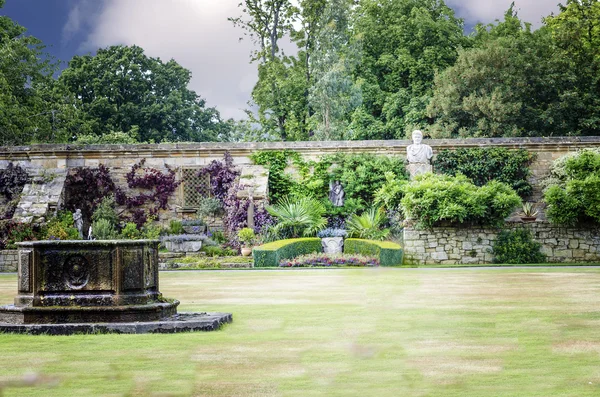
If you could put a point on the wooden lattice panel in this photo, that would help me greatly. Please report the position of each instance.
(195, 187)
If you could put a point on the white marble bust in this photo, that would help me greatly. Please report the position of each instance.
(418, 152)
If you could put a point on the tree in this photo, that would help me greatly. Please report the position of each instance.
(576, 30)
(404, 43)
(333, 95)
(266, 22)
(30, 108)
(513, 82)
(121, 89)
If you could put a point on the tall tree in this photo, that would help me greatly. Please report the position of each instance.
(333, 94)
(266, 22)
(31, 110)
(404, 43)
(576, 30)
(122, 89)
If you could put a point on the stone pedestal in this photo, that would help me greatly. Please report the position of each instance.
(415, 169)
(332, 245)
(87, 286)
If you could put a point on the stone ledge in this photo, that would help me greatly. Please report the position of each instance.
(182, 322)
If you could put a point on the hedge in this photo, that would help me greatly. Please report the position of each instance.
(269, 255)
(388, 253)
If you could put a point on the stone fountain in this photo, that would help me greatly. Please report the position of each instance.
(100, 286)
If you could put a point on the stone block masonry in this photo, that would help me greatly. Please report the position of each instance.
(450, 246)
(9, 260)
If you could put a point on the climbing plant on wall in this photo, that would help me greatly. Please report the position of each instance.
(483, 165)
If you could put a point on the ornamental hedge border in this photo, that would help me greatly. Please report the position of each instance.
(388, 253)
(269, 255)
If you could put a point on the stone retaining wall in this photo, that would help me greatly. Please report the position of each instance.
(446, 245)
(9, 260)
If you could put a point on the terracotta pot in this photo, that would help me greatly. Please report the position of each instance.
(246, 251)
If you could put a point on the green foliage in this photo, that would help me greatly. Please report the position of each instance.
(276, 161)
(482, 165)
(369, 225)
(219, 237)
(209, 207)
(302, 217)
(61, 227)
(391, 192)
(434, 199)
(103, 229)
(175, 227)
(151, 231)
(152, 98)
(362, 175)
(106, 210)
(131, 232)
(404, 43)
(517, 247)
(215, 250)
(110, 138)
(246, 235)
(269, 255)
(328, 260)
(388, 253)
(574, 193)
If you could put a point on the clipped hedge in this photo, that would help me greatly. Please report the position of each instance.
(269, 255)
(388, 253)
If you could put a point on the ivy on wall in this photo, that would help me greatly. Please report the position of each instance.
(483, 165)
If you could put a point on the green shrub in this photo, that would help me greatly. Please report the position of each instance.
(388, 253)
(106, 210)
(517, 247)
(246, 235)
(215, 250)
(302, 217)
(483, 165)
(269, 255)
(175, 227)
(329, 260)
(61, 227)
(369, 225)
(131, 232)
(434, 199)
(102, 229)
(573, 194)
(151, 230)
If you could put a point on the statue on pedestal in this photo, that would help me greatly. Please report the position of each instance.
(418, 155)
(336, 193)
(78, 220)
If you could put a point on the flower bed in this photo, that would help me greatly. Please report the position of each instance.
(324, 260)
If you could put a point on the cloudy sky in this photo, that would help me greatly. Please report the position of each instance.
(195, 33)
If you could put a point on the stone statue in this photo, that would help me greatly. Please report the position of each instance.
(419, 156)
(78, 220)
(90, 235)
(336, 193)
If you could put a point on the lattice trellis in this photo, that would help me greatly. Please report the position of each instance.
(195, 187)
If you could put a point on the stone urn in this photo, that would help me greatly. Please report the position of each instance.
(183, 246)
(246, 251)
(332, 245)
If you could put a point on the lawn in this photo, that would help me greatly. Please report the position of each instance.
(340, 332)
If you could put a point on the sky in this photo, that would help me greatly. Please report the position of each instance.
(196, 33)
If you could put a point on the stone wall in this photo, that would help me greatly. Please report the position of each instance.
(9, 260)
(446, 245)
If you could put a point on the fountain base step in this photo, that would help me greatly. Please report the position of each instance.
(182, 322)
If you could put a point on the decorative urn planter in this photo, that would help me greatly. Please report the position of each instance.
(183, 246)
(246, 251)
(332, 245)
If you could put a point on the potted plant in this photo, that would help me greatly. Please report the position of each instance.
(529, 212)
(246, 237)
(332, 240)
(193, 226)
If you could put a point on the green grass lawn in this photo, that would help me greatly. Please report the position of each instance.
(346, 332)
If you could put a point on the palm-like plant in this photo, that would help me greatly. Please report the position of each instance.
(303, 216)
(368, 225)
